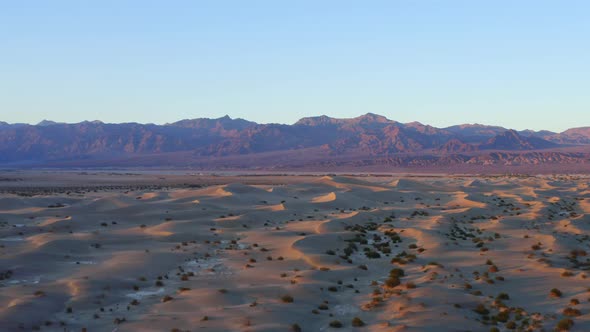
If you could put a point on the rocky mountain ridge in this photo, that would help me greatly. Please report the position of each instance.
(369, 135)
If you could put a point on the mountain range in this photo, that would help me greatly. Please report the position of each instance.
(311, 143)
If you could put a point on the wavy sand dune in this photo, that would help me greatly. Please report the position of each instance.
(276, 207)
(330, 197)
(421, 186)
(412, 254)
(349, 183)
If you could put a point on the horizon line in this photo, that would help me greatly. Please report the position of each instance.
(52, 122)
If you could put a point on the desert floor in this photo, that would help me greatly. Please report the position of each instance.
(174, 252)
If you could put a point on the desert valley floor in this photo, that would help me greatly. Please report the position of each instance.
(296, 253)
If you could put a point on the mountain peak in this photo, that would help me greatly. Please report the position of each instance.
(510, 133)
(372, 117)
(47, 123)
(316, 121)
(207, 123)
(324, 120)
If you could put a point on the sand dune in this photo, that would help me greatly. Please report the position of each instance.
(324, 198)
(402, 254)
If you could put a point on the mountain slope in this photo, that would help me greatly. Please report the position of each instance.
(512, 140)
(367, 136)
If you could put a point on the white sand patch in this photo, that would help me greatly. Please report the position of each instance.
(13, 239)
(143, 294)
(207, 267)
(34, 280)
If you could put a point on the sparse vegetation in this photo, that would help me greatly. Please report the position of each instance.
(357, 322)
(565, 324)
(336, 324)
(555, 292)
(287, 299)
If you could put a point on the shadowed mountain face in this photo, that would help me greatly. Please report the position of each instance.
(366, 136)
(511, 140)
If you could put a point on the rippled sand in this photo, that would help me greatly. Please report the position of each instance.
(475, 253)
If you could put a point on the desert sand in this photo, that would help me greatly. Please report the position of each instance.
(307, 253)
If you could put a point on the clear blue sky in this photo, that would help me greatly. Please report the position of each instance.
(520, 64)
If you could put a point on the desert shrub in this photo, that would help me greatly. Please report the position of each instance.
(555, 292)
(567, 274)
(397, 272)
(392, 282)
(287, 299)
(357, 322)
(481, 309)
(372, 254)
(335, 324)
(119, 320)
(511, 325)
(565, 324)
(503, 316)
(571, 312)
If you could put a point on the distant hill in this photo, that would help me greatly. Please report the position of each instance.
(572, 136)
(362, 140)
